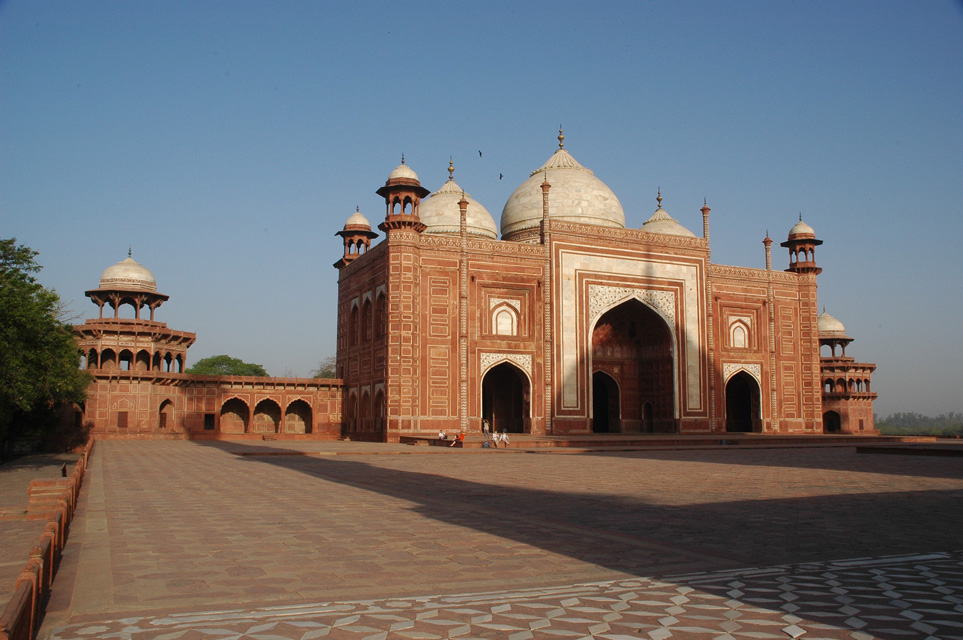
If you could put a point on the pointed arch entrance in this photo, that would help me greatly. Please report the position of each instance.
(632, 344)
(831, 422)
(506, 398)
(742, 404)
(605, 404)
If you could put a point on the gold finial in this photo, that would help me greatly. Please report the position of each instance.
(561, 138)
(658, 198)
(451, 169)
(402, 158)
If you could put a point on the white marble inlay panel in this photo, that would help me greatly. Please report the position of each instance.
(573, 367)
(487, 360)
(729, 369)
(512, 302)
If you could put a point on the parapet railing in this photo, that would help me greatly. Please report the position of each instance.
(56, 501)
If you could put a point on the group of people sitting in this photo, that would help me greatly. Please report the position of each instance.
(494, 438)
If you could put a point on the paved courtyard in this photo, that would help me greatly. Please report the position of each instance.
(245, 540)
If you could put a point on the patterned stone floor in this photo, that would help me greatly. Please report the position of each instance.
(913, 596)
(230, 540)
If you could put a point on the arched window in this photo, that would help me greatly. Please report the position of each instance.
(366, 320)
(126, 360)
(379, 316)
(504, 320)
(739, 335)
(354, 326)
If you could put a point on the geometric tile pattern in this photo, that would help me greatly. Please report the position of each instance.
(895, 597)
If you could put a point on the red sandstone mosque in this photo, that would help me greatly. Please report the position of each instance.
(568, 323)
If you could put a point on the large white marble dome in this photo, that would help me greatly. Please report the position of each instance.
(576, 195)
(128, 275)
(440, 213)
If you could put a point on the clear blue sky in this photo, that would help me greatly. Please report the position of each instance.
(227, 142)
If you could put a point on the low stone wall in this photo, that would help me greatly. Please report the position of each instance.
(54, 500)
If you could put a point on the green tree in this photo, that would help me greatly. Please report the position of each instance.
(225, 366)
(39, 357)
(327, 368)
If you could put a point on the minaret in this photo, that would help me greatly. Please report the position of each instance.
(802, 245)
(402, 193)
(357, 236)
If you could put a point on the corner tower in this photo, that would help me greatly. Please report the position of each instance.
(136, 363)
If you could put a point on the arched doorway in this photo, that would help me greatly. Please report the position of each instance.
(234, 416)
(297, 417)
(165, 415)
(605, 404)
(379, 413)
(267, 417)
(506, 398)
(635, 343)
(832, 422)
(349, 422)
(742, 404)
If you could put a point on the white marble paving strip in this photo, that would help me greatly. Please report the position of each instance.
(910, 596)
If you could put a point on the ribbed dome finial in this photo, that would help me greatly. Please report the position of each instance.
(451, 169)
(561, 138)
(658, 198)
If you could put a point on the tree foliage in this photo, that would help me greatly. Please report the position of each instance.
(946, 424)
(327, 368)
(224, 365)
(39, 357)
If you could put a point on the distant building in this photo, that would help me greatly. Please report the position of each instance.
(140, 389)
(574, 323)
(570, 323)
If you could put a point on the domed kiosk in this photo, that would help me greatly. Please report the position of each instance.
(131, 344)
(847, 394)
(127, 283)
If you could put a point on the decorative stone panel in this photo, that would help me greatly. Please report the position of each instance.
(729, 369)
(487, 360)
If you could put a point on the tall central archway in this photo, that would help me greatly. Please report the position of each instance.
(633, 345)
(506, 399)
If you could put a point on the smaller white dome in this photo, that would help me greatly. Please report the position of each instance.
(128, 275)
(441, 214)
(403, 171)
(357, 220)
(802, 229)
(662, 222)
(830, 327)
